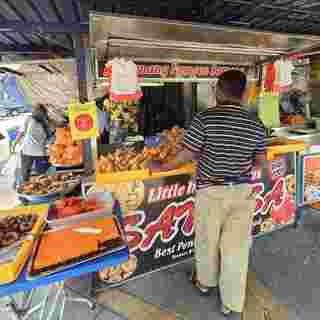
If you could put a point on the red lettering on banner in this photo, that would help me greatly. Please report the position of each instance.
(275, 197)
(133, 230)
(258, 188)
(145, 70)
(204, 71)
(186, 211)
(167, 224)
(216, 72)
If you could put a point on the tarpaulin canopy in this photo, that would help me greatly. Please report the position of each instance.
(52, 83)
(12, 96)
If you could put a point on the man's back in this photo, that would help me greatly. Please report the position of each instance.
(230, 138)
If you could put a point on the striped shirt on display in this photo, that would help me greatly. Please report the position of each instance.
(226, 140)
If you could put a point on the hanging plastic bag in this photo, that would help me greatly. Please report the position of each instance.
(18, 170)
(123, 77)
(9, 169)
(12, 170)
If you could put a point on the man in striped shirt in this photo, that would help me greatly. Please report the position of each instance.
(227, 143)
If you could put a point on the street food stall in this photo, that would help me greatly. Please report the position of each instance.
(158, 65)
(157, 208)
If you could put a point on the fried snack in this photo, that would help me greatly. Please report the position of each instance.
(126, 159)
(13, 228)
(43, 185)
(64, 151)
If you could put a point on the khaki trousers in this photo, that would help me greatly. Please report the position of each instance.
(223, 219)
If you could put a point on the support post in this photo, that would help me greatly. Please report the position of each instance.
(82, 55)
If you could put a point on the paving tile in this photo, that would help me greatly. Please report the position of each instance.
(172, 291)
(133, 307)
(288, 262)
(107, 315)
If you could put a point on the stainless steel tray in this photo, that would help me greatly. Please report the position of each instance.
(49, 196)
(65, 166)
(60, 223)
(72, 265)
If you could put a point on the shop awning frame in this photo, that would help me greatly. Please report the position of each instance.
(145, 39)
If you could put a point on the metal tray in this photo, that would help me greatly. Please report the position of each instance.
(49, 196)
(304, 131)
(71, 265)
(65, 166)
(57, 223)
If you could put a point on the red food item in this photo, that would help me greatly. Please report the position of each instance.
(91, 205)
(74, 205)
(68, 212)
(73, 201)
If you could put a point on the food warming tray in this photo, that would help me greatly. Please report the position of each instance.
(53, 222)
(50, 196)
(113, 246)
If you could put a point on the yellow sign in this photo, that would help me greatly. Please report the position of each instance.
(83, 120)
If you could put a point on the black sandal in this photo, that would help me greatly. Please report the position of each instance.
(204, 291)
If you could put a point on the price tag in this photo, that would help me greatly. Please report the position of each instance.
(83, 120)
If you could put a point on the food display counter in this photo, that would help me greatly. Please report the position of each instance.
(157, 210)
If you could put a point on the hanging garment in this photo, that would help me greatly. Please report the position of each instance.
(284, 71)
(270, 77)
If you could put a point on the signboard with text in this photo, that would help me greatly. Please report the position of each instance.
(164, 71)
(83, 120)
(275, 197)
(158, 221)
(311, 178)
(158, 217)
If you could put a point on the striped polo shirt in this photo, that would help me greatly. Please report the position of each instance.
(225, 140)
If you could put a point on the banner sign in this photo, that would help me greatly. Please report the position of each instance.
(163, 71)
(158, 217)
(83, 120)
(311, 178)
(158, 221)
(275, 196)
